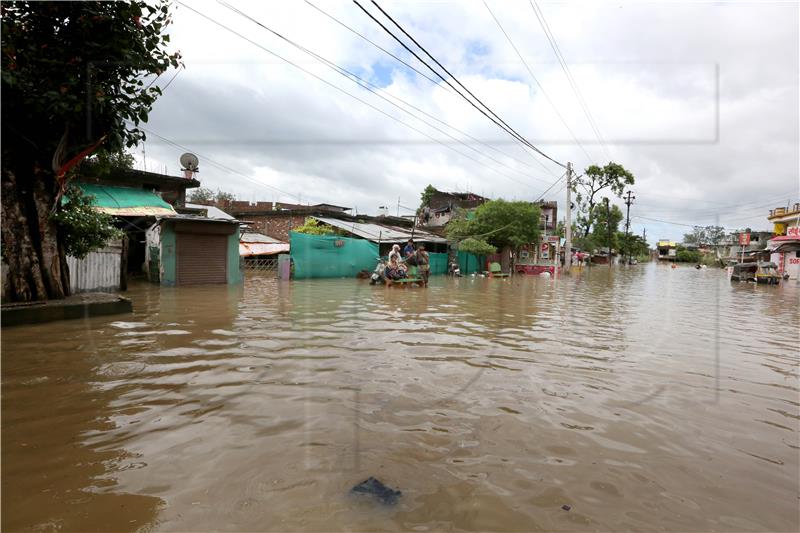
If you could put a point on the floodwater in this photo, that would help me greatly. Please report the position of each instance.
(645, 399)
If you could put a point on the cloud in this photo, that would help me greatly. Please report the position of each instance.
(649, 73)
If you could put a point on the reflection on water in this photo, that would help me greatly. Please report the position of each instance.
(645, 399)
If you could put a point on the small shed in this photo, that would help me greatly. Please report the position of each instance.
(193, 250)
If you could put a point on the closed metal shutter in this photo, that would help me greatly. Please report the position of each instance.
(202, 258)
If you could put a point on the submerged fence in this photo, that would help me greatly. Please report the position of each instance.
(268, 263)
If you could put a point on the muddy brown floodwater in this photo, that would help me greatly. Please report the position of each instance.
(645, 399)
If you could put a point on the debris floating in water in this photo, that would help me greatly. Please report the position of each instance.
(374, 487)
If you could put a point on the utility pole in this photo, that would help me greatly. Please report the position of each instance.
(608, 224)
(628, 201)
(568, 222)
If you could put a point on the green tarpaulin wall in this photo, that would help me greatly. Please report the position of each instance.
(470, 263)
(318, 256)
(438, 263)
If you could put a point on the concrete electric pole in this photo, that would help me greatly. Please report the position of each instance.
(629, 198)
(568, 222)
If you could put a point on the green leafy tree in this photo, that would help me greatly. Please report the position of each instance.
(73, 80)
(225, 197)
(471, 245)
(499, 223)
(632, 245)
(612, 176)
(312, 226)
(84, 228)
(201, 195)
(606, 225)
(427, 195)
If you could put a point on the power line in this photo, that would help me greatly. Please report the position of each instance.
(379, 47)
(367, 85)
(499, 122)
(550, 187)
(418, 72)
(544, 93)
(220, 165)
(565, 67)
(334, 86)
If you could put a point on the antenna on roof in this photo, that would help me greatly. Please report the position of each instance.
(189, 165)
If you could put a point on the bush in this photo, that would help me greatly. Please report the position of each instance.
(688, 256)
(476, 246)
(84, 229)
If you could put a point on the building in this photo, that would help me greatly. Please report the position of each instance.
(275, 219)
(784, 247)
(443, 205)
(544, 255)
(192, 250)
(142, 203)
(667, 250)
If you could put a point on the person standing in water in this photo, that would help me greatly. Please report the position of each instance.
(423, 263)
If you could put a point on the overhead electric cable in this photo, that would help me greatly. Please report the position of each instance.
(499, 122)
(567, 72)
(535, 79)
(371, 87)
(334, 86)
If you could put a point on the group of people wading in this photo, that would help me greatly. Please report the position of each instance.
(399, 262)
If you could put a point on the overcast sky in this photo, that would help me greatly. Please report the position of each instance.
(699, 100)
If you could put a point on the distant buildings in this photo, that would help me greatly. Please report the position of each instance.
(785, 246)
(443, 205)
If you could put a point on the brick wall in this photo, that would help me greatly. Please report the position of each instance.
(275, 226)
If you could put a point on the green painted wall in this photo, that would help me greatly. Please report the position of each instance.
(234, 272)
(169, 271)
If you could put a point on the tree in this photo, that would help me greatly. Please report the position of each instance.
(612, 176)
(606, 225)
(201, 195)
(471, 245)
(499, 223)
(73, 80)
(312, 226)
(225, 197)
(84, 228)
(705, 235)
(427, 195)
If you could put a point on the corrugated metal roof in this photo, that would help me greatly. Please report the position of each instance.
(379, 232)
(211, 211)
(126, 201)
(252, 237)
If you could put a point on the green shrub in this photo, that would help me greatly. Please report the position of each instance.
(688, 256)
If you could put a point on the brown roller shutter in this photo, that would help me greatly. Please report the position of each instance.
(202, 258)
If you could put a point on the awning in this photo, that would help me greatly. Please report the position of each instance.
(126, 201)
(784, 243)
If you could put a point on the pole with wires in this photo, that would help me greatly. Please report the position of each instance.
(628, 201)
(568, 222)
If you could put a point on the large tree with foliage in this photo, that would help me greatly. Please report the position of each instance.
(73, 80)
(612, 176)
(427, 195)
(499, 223)
(705, 235)
(606, 225)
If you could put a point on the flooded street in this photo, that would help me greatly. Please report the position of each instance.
(646, 399)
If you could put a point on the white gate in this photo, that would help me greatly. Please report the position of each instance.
(98, 271)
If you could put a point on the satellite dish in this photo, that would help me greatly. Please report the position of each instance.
(189, 162)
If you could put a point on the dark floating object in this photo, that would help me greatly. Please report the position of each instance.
(374, 487)
(566, 507)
